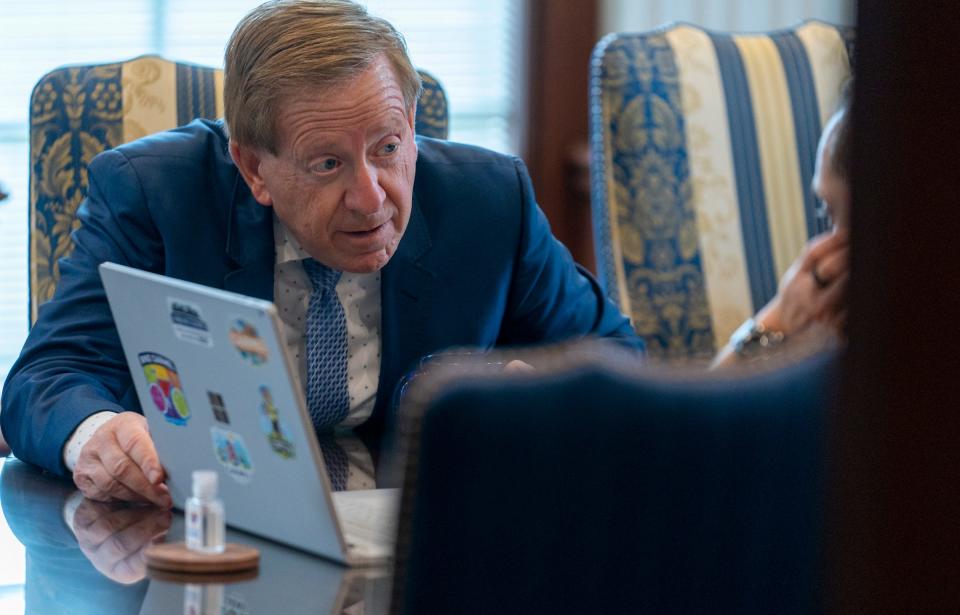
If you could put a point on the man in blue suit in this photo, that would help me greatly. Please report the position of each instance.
(310, 201)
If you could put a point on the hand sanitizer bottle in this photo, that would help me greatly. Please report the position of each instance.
(204, 512)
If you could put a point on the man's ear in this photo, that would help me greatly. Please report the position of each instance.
(248, 161)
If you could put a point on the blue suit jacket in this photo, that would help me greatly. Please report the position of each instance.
(477, 266)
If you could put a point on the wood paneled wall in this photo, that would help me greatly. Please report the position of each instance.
(562, 36)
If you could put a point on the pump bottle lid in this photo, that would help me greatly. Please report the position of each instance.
(204, 484)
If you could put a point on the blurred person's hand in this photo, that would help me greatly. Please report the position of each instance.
(120, 463)
(813, 289)
(113, 536)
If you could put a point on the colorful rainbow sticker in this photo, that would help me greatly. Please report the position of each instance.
(166, 392)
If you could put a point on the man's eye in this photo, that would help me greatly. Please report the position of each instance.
(329, 164)
(389, 148)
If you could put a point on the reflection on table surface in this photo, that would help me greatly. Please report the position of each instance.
(87, 557)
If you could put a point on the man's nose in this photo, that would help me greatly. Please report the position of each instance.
(365, 195)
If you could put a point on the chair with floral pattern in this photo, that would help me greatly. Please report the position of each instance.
(76, 112)
(702, 153)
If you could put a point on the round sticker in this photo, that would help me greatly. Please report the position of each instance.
(248, 343)
(166, 392)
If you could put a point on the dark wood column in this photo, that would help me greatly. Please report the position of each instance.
(894, 522)
(562, 35)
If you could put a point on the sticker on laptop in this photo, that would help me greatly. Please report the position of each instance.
(166, 392)
(278, 434)
(219, 408)
(248, 343)
(232, 453)
(188, 322)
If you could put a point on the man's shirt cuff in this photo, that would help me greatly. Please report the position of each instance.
(82, 434)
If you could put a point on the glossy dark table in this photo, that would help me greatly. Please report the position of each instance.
(61, 553)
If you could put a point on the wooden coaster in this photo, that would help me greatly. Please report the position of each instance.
(176, 557)
(203, 578)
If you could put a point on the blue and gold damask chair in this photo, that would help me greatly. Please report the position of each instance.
(79, 111)
(702, 152)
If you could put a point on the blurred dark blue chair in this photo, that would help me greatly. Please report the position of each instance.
(596, 486)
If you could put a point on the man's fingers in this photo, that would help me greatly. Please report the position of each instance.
(96, 522)
(127, 541)
(145, 527)
(130, 570)
(114, 540)
(107, 474)
(120, 462)
(95, 482)
(92, 479)
(130, 481)
(134, 440)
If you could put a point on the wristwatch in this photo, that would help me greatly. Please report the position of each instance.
(752, 339)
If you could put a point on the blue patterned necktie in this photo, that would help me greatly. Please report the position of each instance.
(327, 396)
(336, 461)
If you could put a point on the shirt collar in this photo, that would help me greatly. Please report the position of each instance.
(287, 247)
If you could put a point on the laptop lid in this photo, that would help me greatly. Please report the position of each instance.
(216, 387)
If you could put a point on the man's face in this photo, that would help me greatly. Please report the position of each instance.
(342, 178)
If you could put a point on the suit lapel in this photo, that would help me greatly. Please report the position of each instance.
(406, 288)
(250, 249)
(406, 285)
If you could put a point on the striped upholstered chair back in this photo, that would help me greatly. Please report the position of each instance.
(702, 153)
(77, 112)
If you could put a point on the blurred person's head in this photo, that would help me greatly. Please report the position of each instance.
(831, 177)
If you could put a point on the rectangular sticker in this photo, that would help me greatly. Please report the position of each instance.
(188, 323)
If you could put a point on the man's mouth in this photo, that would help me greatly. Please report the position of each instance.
(366, 233)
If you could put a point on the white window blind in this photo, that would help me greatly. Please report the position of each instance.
(474, 47)
(729, 15)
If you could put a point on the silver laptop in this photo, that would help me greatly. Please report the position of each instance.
(218, 391)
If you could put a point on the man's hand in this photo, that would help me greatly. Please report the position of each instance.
(114, 536)
(120, 463)
(813, 289)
